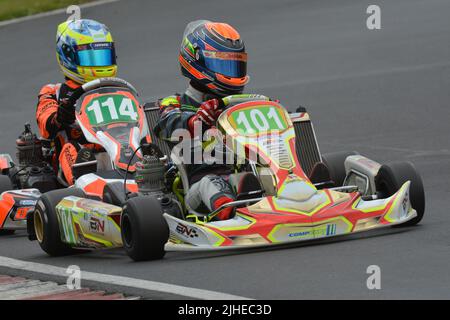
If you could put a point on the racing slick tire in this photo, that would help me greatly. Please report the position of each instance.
(144, 229)
(5, 185)
(392, 176)
(335, 164)
(46, 224)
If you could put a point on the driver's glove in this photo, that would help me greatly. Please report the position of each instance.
(67, 99)
(207, 113)
(66, 112)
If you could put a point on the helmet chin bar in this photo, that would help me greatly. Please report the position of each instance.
(221, 93)
(197, 85)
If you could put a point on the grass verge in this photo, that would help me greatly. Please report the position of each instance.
(10, 9)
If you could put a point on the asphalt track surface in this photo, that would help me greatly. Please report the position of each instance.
(384, 93)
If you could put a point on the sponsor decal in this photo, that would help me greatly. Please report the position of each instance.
(299, 234)
(21, 213)
(97, 225)
(69, 157)
(27, 202)
(331, 229)
(85, 155)
(405, 202)
(186, 231)
(325, 230)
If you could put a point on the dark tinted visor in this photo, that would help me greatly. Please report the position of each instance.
(230, 64)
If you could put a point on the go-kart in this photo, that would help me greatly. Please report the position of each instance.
(22, 184)
(339, 194)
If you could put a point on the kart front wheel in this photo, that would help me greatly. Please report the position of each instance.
(5, 185)
(335, 164)
(392, 176)
(46, 225)
(144, 229)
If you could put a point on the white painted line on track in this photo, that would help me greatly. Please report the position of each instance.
(53, 12)
(120, 280)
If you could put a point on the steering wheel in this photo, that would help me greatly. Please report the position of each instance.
(232, 100)
(100, 83)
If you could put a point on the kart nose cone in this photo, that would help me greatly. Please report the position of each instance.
(296, 190)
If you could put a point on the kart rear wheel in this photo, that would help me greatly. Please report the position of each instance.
(392, 176)
(144, 229)
(335, 164)
(46, 226)
(5, 185)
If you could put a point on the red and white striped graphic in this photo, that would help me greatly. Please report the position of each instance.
(18, 288)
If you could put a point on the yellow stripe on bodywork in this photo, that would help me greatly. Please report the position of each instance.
(369, 210)
(237, 228)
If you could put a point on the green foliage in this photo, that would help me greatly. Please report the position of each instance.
(10, 9)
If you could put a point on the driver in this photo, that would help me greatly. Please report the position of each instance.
(85, 51)
(213, 57)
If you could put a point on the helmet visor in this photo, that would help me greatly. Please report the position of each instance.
(231, 64)
(100, 54)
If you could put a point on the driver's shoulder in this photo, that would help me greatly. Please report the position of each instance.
(169, 101)
(49, 89)
(54, 88)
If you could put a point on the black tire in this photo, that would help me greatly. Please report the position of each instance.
(392, 176)
(46, 224)
(335, 164)
(7, 232)
(5, 185)
(144, 229)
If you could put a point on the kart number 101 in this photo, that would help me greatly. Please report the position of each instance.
(259, 120)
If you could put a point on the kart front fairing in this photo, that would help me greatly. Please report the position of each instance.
(113, 118)
(298, 211)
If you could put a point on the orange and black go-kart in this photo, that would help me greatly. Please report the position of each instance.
(22, 184)
(139, 202)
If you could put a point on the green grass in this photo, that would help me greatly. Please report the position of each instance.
(10, 9)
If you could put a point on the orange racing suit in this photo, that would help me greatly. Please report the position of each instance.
(68, 140)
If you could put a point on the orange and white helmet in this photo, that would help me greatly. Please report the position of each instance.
(213, 55)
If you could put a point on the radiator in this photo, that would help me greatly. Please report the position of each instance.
(306, 145)
(152, 114)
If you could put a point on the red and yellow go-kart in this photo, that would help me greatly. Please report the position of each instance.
(299, 194)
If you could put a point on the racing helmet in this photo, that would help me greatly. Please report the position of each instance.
(213, 55)
(85, 50)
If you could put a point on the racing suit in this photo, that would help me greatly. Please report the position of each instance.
(56, 125)
(209, 185)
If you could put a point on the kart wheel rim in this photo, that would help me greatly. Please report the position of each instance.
(38, 226)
